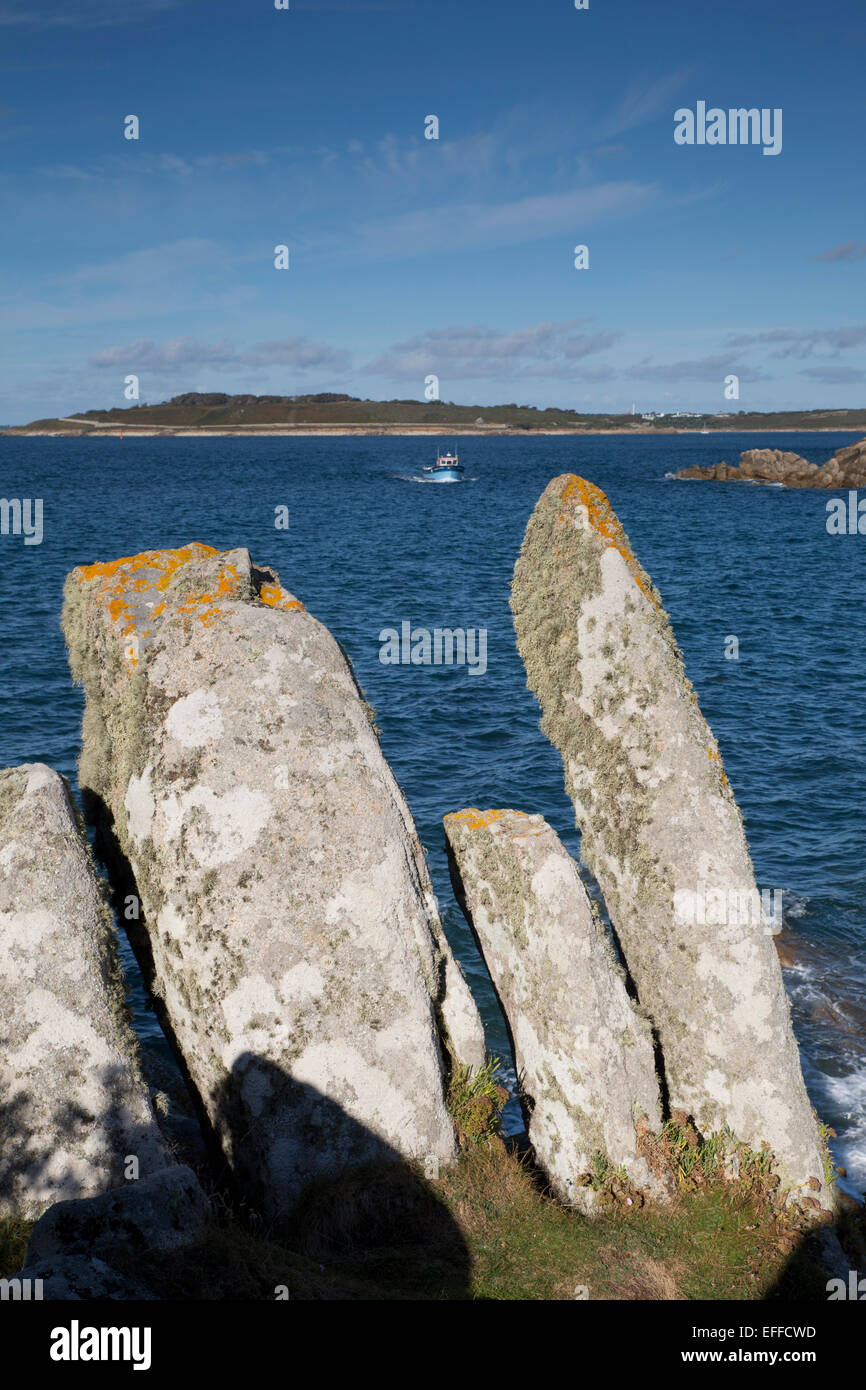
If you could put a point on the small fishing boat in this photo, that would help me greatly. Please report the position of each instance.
(446, 469)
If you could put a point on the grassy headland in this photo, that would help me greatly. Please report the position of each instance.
(216, 413)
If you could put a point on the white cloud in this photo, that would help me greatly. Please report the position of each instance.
(792, 342)
(712, 368)
(846, 251)
(178, 354)
(460, 226)
(79, 14)
(546, 350)
(645, 100)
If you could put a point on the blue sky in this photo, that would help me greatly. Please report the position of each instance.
(412, 257)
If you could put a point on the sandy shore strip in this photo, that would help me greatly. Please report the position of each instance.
(110, 429)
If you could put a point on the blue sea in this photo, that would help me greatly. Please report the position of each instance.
(371, 545)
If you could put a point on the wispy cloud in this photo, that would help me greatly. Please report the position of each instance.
(645, 100)
(453, 227)
(845, 251)
(835, 376)
(116, 166)
(80, 14)
(157, 280)
(712, 368)
(547, 349)
(791, 342)
(178, 354)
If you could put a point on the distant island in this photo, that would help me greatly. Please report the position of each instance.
(215, 413)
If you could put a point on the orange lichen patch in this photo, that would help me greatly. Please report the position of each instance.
(205, 607)
(474, 819)
(716, 757)
(606, 524)
(134, 574)
(125, 576)
(275, 596)
(169, 561)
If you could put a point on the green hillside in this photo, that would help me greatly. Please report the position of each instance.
(220, 412)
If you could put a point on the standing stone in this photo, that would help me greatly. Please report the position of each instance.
(291, 930)
(73, 1106)
(660, 828)
(584, 1054)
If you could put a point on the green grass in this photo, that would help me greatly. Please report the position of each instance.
(14, 1235)
(487, 1229)
(475, 1101)
(719, 1241)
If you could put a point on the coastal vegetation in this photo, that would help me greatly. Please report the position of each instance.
(488, 1228)
(217, 412)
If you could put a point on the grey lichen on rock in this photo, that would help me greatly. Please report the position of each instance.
(78, 1278)
(583, 1052)
(73, 1106)
(294, 938)
(660, 827)
(164, 1211)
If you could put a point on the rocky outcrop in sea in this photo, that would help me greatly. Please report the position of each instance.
(846, 469)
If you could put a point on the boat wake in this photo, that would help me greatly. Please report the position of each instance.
(414, 478)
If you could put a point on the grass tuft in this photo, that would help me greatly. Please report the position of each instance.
(475, 1100)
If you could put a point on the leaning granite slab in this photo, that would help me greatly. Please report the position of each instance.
(73, 1105)
(847, 468)
(583, 1052)
(661, 831)
(290, 929)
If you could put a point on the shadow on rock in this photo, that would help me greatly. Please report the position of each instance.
(359, 1207)
(329, 1189)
